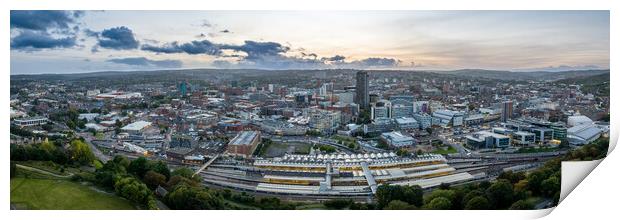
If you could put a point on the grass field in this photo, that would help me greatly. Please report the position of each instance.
(449, 150)
(57, 194)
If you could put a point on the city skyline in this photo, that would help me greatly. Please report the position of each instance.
(74, 42)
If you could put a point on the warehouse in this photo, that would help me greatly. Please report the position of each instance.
(244, 144)
(137, 127)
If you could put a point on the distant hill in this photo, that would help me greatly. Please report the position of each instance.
(597, 84)
(537, 75)
(464, 73)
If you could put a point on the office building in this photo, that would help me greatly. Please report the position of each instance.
(381, 109)
(424, 120)
(406, 123)
(486, 139)
(543, 135)
(523, 138)
(361, 90)
(506, 111)
(446, 117)
(324, 121)
(397, 139)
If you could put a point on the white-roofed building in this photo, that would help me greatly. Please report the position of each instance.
(583, 134)
(578, 120)
(397, 139)
(136, 127)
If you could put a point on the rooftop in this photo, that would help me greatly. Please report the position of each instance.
(244, 138)
(137, 126)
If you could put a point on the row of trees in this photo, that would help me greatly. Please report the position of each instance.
(70, 117)
(77, 153)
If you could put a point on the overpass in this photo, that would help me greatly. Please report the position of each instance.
(369, 178)
(205, 165)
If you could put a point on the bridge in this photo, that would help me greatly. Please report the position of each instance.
(205, 165)
(369, 178)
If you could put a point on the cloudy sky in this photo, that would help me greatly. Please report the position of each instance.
(86, 41)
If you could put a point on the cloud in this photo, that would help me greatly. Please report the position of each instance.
(43, 20)
(336, 58)
(118, 38)
(266, 55)
(91, 33)
(44, 29)
(206, 23)
(144, 62)
(376, 62)
(34, 40)
(193, 47)
(257, 50)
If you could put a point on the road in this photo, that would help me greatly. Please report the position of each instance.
(100, 155)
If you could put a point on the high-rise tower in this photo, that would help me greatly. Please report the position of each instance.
(361, 90)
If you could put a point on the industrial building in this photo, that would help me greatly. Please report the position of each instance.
(136, 128)
(244, 144)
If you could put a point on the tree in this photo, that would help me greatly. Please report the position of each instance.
(132, 189)
(534, 180)
(154, 179)
(409, 194)
(511, 176)
(138, 167)
(338, 203)
(105, 178)
(439, 203)
(81, 153)
(478, 203)
(448, 194)
(121, 160)
(13, 169)
(471, 194)
(186, 173)
(399, 205)
(501, 194)
(161, 168)
(178, 180)
(521, 205)
(550, 186)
